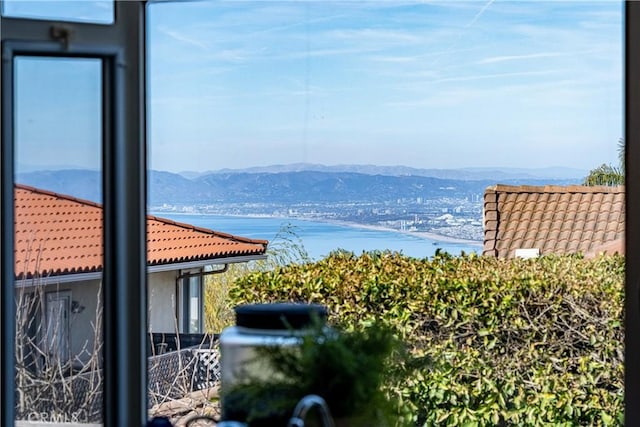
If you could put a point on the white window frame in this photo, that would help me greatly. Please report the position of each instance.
(185, 302)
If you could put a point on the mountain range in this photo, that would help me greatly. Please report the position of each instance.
(465, 174)
(288, 184)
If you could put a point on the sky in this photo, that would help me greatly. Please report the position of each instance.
(427, 84)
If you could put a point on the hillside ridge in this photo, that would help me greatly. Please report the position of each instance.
(278, 187)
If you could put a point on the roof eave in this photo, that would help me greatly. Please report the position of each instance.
(202, 263)
(96, 275)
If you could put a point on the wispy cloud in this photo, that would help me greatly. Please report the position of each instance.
(495, 76)
(537, 55)
(316, 53)
(479, 14)
(375, 35)
(301, 23)
(505, 69)
(176, 35)
(566, 92)
(393, 59)
(495, 59)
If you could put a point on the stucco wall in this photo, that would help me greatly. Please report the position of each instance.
(83, 325)
(161, 295)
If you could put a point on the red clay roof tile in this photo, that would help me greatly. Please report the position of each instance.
(553, 219)
(57, 234)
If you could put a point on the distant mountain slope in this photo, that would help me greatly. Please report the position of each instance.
(167, 187)
(465, 174)
(81, 183)
(276, 188)
(330, 187)
(164, 187)
(552, 172)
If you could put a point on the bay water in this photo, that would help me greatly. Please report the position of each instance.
(320, 238)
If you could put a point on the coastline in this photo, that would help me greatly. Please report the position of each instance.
(440, 238)
(420, 234)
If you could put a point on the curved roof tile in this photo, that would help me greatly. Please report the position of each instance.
(563, 220)
(57, 234)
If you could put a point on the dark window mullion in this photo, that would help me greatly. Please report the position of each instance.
(125, 402)
(632, 153)
(185, 295)
(7, 292)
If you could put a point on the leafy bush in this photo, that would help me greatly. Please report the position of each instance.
(512, 342)
(285, 248)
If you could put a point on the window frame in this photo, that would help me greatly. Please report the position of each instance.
(125, 196)
(184, 301)
(121, 46)
(632, 201)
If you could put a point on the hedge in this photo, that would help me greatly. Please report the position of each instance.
(510, 342)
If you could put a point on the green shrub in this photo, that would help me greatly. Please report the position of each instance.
(512, 342)
(285, 248)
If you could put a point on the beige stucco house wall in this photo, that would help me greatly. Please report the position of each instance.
(162, 300)
(83, 324)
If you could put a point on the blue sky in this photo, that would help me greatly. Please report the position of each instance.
(427, 84)
(424, 84)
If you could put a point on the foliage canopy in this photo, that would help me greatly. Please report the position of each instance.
(606, 174)
(511, 342)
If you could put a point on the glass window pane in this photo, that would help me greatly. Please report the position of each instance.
(58, 239)
(377, 125)
(423, 89)
(58, 119)
(194, 304)
(97, 11)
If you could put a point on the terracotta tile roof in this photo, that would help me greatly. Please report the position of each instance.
(58, 235)
(553, 219)
(610, 248)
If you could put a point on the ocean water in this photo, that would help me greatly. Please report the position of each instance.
(320, 238)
